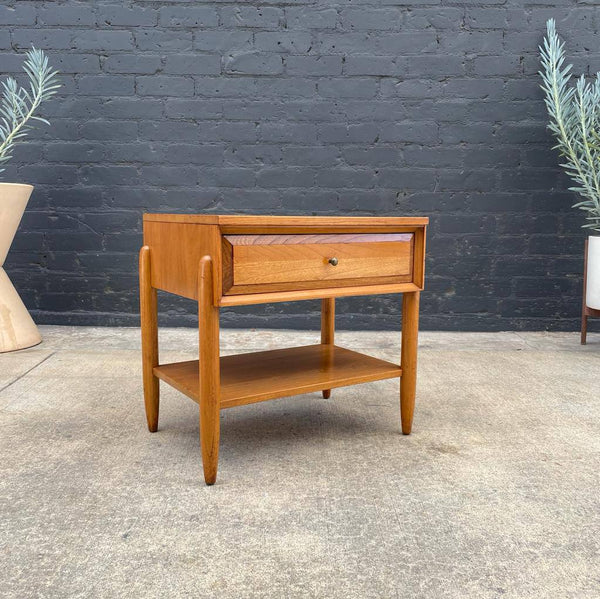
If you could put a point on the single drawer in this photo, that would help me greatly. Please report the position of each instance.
(262, 263)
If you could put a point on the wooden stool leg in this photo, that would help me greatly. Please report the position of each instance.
(408, 360)
(210, 377)
(149, 326)
(327, 328)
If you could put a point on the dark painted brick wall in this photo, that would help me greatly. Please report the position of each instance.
(385, 107)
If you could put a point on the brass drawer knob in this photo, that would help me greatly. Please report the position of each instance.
(333, 261)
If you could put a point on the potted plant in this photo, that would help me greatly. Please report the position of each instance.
(575, 121)
(18, 107)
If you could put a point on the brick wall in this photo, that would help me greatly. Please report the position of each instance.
(385, 107)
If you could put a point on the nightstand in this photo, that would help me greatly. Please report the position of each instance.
(240, 260)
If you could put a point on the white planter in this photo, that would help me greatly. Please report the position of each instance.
(592, 286)
(17, 329)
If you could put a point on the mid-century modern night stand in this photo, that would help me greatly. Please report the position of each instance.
(241, 260)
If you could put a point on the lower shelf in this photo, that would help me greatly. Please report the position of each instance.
(248, 378)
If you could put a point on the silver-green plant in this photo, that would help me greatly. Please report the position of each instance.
(575, 121)
(19, 104)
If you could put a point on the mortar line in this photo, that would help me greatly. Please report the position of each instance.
(27, 372)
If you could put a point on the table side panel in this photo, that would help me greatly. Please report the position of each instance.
(176, 249)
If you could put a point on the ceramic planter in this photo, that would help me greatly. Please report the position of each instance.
(17, 329)
(592, 294)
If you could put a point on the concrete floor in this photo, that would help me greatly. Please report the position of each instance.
(495, 494)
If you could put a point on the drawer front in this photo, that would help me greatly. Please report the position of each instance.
(285, 262)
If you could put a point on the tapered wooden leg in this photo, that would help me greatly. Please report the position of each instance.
(584, 320)
(327, 328)
(408, 360)
(210, 377)
(149, 326)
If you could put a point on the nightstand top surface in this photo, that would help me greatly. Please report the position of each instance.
(267, 220)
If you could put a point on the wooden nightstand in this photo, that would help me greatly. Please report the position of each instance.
(241, 260)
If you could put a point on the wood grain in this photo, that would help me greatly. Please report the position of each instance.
(408, 359)
(208, 378)
(296, 290)
(149, 330)
(264, 264)
(248, 299)
(243, 220)
(271, 263)
(259, 376)
(312, 239)
(176, 252)
(227, 263)
(327, 328)
(418, 270)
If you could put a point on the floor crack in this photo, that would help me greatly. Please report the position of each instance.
(27, 372)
